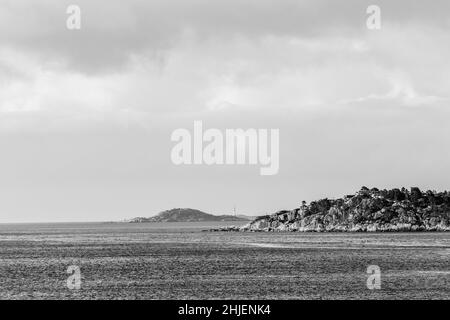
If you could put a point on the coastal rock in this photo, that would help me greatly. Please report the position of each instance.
(369, 210)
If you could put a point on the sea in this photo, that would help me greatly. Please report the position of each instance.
(185, 261)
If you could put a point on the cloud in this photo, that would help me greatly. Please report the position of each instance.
(112, 32)
(274, 73)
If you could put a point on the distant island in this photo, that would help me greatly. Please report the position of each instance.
(188, 215)
(369, 210)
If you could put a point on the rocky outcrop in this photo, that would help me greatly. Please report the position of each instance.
(369, 210)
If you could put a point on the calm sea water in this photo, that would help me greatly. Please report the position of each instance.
(180, 261)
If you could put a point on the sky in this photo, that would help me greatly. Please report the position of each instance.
(86, 115)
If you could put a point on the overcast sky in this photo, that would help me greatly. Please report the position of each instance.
(86, 115)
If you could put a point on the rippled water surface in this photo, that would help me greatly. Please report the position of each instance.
(180, 261)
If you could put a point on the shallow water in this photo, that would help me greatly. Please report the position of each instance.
(179, 261)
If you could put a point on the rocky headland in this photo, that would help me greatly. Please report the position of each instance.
(369, 210)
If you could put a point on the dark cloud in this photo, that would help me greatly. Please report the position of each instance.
(113, 30)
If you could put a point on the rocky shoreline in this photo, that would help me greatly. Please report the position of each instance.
(369, 210)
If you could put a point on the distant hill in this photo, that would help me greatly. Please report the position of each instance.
(245, 217)
(369, 210)
(187, 215)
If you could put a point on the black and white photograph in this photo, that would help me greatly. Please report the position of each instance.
(225, 150)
